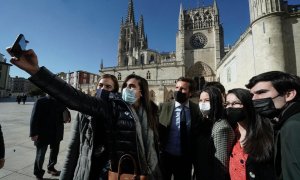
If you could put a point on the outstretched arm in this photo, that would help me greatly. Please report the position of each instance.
(58, 88)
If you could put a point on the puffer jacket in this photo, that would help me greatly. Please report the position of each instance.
(122, 136)
(83, 154)
(116, 124)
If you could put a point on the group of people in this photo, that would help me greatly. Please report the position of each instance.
(22, 98)
(243, 134)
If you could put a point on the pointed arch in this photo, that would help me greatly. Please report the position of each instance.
(142, 59)
(152, 59)
(201, 69)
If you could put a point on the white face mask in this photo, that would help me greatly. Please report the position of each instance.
(204, 108)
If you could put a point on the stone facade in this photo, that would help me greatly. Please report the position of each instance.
(4, 77)
(199, 47)
(269, 43)
(84, 81)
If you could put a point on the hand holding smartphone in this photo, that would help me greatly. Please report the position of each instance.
(18, 46)
(29, 61)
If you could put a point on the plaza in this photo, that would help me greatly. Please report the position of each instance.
(19, 149)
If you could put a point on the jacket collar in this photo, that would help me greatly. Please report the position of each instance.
(186, 104)
(290, 110)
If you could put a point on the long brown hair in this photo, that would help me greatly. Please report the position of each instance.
(259, 133)
(145, 100)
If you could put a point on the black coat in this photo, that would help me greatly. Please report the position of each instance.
(259, 170)
(47, 121)
(2, 147)
(287, 143)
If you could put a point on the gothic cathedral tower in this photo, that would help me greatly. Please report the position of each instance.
(267, 32)
(132, 39)
(200, 37)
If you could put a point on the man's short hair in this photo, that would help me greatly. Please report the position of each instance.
(281, 81)
(114, 79)
(190, 81)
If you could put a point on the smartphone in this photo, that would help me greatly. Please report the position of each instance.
(19, 46)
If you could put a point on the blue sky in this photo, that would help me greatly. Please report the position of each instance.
(71, 35)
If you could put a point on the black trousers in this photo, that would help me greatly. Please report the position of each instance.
(40, 157)
(178, 166)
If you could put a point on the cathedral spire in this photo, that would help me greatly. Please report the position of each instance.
(141, 27)
(141, 34)
(130, 15)
(216, 12)
(181, 19)
(101, 65)
(216, 7)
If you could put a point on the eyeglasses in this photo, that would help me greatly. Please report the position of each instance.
(235, 104)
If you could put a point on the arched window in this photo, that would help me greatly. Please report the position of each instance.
(142, 59)
(152, 60)
(119, 76)
(126, 61)
(148, 75)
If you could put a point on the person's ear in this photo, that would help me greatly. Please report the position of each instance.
(190, 95)
(290, 95)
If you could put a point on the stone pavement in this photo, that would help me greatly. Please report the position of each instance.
(19, 149)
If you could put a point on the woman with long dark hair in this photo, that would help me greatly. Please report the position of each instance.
(251, 156)
(144, 106)
(217, 137)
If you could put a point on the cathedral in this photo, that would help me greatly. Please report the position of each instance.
(270, 43)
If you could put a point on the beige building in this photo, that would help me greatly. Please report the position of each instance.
(4, 77)
(270, 43)
(82, 80)
(20, 86)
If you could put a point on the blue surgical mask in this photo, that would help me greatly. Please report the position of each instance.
(128, 95)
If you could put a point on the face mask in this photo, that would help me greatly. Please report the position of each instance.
(266, 108)
(102, 93)
(235, 115)
(128, 95)
(180, 97)
(204, 108)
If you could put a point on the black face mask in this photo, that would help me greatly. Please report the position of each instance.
(102, 94)
(180, 97)
(266, 108)
(235, 115)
